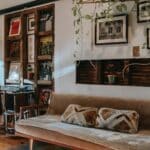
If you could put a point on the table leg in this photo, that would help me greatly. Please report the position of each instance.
(31, 144)
(14, 102)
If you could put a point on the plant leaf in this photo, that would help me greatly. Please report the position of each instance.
(77, 31)
(88, 17)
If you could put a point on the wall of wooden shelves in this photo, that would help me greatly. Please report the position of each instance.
(134, 72)
(34, 26)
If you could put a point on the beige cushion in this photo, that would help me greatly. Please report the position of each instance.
(119, 120)
(83, 116)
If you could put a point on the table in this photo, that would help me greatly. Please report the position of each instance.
(13, 113)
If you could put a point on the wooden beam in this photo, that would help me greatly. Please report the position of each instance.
(25, 5)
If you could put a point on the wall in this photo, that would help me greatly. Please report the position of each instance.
(65, 62)
(65, 46)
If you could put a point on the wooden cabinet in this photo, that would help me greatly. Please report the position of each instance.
(29, 43)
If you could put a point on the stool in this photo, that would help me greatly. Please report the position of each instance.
(9, 121)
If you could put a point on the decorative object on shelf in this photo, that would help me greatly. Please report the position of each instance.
(45, 95)
(111, 31)
(31, 48)
(112, 78)
(46, 46)
(15, 26)
(45, 70)
(14, 49)
(45, 21)
(30, 71)
(148, 38)
(111, 71)
(14, 71)
(143, 11)
(30, 24)
(136, 51)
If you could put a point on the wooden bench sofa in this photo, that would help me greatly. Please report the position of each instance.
(49, 128)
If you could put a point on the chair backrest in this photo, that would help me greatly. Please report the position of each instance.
(59, 102)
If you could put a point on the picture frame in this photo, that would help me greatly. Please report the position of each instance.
(30, 24)
(31, 48)
(111, 31)
(45, 95)
(143, 11)
(14, 49)
(148, 38)
(15, 26)
(14, 71)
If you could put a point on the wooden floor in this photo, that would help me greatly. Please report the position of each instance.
(12, 142)
(9, 142)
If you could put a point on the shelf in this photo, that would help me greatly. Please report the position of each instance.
(12, 59)
(45, 33)
(14, 38)
(136, 73)
(33, 46)
(44, 82)
(45, 57)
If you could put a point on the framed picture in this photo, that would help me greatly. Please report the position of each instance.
(143, 11)
(148, 38)
(30, 24)
(15, 26)
(45, 95)
(14, 49)
(111, 31)
(14, 71)
(31, 47)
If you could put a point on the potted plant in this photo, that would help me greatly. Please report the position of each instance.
(111, 73)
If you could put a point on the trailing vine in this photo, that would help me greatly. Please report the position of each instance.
(107, 12)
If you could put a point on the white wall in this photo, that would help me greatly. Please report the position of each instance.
(64, 50)
(65, 46)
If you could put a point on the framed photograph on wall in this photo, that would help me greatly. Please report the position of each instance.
(143, 11)
(30, 24)
(111, 31)
(15, 26)
(148, 38)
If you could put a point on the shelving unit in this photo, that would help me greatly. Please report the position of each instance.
(13, 42)
(45, 51)
(114, 72)
(32, 48)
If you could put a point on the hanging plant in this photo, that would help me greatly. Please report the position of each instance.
(107, 12)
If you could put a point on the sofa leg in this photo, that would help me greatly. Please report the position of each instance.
(31, 144)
